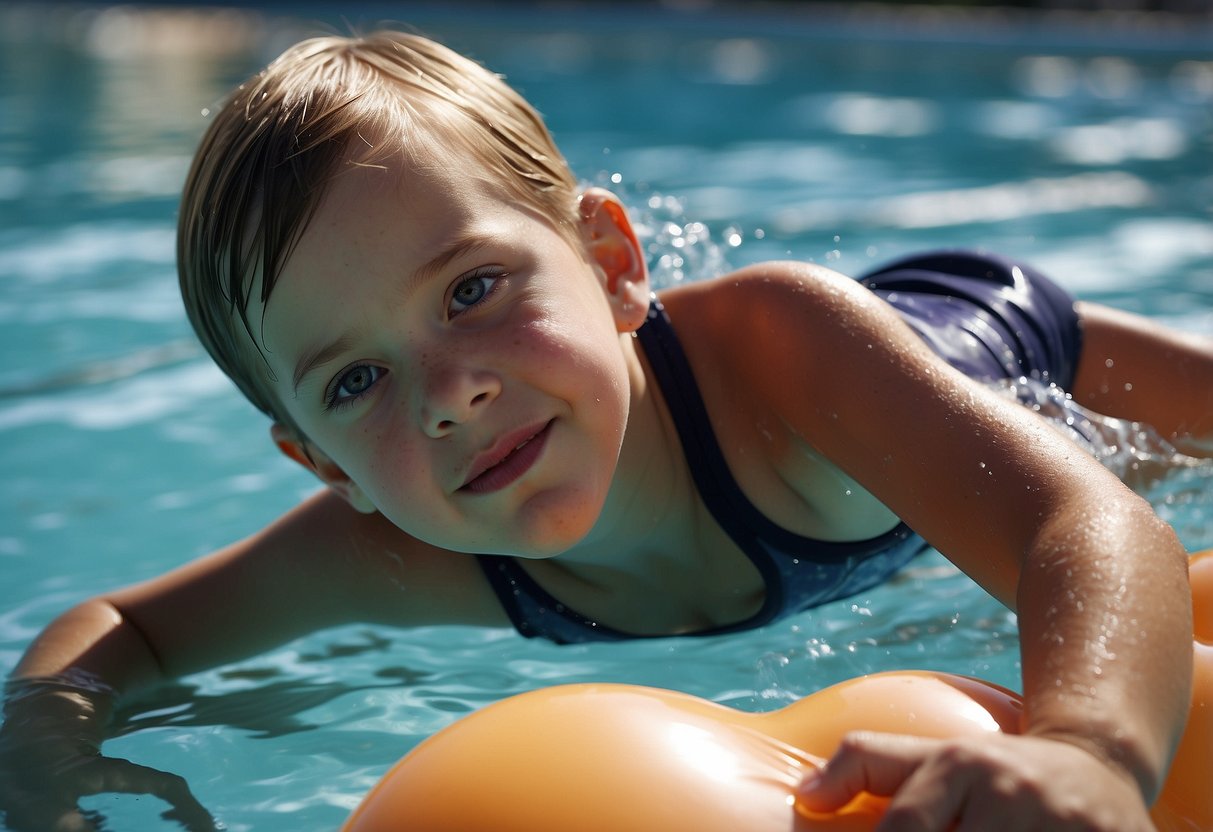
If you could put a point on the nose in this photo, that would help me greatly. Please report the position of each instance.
(453, 395)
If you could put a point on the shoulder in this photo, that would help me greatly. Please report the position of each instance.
(320, 564)
(781, 316)
(759, 299)
(767, 288)
(840, 372)
(374, 571)
(766, 348)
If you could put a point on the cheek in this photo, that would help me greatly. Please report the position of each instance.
(392, 465)
(592, 369)
(384, 462)
(579, 335)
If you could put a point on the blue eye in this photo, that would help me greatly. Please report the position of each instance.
(472, 289)
(352, 384)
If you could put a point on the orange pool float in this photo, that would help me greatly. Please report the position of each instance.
(605, 758)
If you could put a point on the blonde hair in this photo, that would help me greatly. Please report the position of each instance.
(265, 161)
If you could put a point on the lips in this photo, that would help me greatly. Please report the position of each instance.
(508, 459)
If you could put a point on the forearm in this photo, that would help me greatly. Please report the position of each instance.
(74, 668)
(1105, 629)
(95, 639)
(56, 713)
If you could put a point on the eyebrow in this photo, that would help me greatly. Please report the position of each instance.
(460, 245)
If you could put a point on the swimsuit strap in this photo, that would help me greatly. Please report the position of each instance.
(755, 533)
(524, 600)
(536, 612)
(729, 507)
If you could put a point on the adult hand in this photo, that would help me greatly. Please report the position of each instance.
(1002, 781)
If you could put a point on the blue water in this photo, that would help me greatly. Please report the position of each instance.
(810, 134)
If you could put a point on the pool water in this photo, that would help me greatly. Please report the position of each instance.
(1081, 148)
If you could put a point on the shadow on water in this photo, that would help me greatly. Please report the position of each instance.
(272, 708)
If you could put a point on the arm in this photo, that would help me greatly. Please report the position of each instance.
(1098, 580)
(56, 710)
(319, 566)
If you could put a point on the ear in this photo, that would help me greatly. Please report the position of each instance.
(327, 471)
(613, 248)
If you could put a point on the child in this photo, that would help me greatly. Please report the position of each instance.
(381, 246)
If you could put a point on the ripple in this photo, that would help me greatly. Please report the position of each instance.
(857, 114)
(83, 249)
(140, 400)
(994, 203)
(1120, 140)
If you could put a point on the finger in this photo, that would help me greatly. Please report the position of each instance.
(980, 815)
(111, 774)
(114, 774)
(933, 797)
(194, 818)
(864, 762)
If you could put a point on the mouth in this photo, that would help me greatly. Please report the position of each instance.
(508, 459)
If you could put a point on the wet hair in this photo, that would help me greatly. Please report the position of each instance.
(326, 104)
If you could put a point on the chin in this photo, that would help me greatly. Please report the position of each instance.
(543, 524)
(544, 544)
(546, 531)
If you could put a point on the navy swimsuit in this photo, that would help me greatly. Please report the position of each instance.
(989, 317)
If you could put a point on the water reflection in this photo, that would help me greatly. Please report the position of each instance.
(101, 105)
(832, 139)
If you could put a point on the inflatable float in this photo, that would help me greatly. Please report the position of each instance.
(606, 758)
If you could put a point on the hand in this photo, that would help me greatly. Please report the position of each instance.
(42, 801)
(1002, 781)
(46, 767)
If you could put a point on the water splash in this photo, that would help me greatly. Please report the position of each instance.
(1179, 486)
(677, 248)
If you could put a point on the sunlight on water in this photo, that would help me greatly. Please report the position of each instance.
(841, 141)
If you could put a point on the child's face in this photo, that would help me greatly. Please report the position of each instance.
(454, 362)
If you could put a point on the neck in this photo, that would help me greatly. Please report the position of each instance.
(649, 511)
